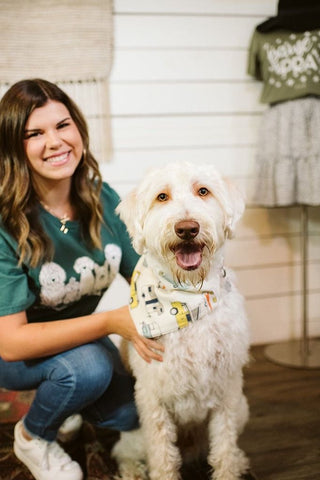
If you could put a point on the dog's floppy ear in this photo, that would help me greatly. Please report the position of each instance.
(233, 204)
(232, 201)
(131, 215)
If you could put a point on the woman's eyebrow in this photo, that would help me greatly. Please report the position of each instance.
(38, 129)
(61, 121)
(29, 130)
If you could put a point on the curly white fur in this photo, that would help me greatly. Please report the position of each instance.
(193, 401)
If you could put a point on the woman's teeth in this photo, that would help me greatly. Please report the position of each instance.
(57, 158)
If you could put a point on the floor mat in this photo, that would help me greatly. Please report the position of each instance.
(14, 405)
(91, 449)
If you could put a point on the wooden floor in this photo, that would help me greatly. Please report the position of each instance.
(282, 438)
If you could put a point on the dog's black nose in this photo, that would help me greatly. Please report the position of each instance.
(187, 229)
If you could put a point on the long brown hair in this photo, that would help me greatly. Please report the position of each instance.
(19, 203)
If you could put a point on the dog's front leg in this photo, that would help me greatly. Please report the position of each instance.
(160, 433)
(129, 452)
(225, 457)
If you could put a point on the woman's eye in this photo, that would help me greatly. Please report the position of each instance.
(28, 135)
(203, 191)
(162, 197)
(62, 125)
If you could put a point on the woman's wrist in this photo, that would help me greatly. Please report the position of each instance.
(115, 321)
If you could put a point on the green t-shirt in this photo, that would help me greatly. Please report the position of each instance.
(73, 282)
(288, 63)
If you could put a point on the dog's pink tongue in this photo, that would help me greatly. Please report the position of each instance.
(188, 260)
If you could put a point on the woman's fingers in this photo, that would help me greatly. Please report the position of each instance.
(148, 349)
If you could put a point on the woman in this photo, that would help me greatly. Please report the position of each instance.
(61, 245)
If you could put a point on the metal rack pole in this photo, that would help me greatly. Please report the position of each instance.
(303, 353)
(304, 257)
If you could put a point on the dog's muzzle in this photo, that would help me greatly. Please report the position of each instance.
(188, 252)
(187, 229)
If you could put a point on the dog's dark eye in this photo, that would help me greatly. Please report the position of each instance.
(203, 191)
(162, 197)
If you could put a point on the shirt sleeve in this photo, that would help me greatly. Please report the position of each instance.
(15, 294)
(254, 67)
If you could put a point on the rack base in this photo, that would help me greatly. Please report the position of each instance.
(295, 354)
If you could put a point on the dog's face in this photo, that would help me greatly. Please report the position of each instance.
(182, 214)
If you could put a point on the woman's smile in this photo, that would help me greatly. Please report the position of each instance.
(59, 159)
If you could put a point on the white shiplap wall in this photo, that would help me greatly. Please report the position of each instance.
(179, 90)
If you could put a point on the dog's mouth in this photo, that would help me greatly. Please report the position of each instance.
(188, 255)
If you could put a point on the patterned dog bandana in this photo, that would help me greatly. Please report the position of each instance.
(159, 305)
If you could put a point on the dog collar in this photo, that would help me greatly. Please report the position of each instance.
(159, 305)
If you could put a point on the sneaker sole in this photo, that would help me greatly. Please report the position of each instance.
(38, 475)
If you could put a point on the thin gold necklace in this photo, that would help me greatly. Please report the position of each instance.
(63, 220)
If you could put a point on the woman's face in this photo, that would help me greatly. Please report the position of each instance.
(52, 143)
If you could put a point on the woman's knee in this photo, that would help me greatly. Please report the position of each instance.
(88, 368)
(127, 418)
(122, 419)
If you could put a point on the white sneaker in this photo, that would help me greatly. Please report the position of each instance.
(45, 460)
(70, 428)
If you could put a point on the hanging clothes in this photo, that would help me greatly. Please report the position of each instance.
(288, 64)
(288, 156)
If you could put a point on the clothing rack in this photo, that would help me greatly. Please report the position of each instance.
(303, 353)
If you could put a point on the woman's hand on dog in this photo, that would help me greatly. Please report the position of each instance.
(148, 349)
(124, 326)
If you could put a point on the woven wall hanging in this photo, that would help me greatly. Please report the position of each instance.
(69, 42)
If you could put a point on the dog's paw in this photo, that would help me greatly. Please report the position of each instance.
(129, 453)
(132, 470)
(232, 470)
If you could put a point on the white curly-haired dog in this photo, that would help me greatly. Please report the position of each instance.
(179, 218)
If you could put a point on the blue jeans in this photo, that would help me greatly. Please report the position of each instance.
(89, 379)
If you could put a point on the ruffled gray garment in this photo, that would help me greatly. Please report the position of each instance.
(288, 156)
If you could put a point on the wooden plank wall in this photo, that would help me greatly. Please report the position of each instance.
(179, 90)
